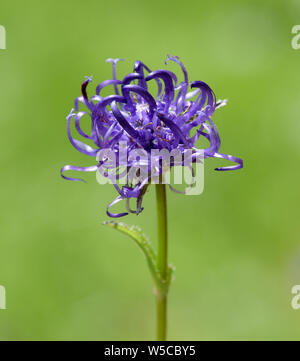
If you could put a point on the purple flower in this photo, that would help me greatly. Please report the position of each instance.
(145, 122)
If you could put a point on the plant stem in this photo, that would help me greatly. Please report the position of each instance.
(162, 262)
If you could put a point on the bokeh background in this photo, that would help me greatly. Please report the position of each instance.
(236, 247)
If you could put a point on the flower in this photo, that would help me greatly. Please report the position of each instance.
(133, 115)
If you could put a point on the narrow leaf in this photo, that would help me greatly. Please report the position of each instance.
(142, 241)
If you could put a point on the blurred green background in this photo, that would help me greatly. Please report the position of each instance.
(236, 247)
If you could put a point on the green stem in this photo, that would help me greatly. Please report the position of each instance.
(162, 262)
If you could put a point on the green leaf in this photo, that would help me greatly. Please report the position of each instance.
(141, 240)
(143, 243)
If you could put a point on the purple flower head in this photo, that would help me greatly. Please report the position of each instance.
(132, 115)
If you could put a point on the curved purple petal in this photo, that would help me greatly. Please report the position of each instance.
(130, 77)
(176, 60)
(207, 93)
(84, 92)
(77, 118)
(140, 65)
(114, 65)
(167, 78)
(237, 160)
(144, 94)
(81, 147)
(139, 68)
(175, 129)
(123, 122)
(100, 107)
(115, 215)
(78, 169)
(106, 83)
